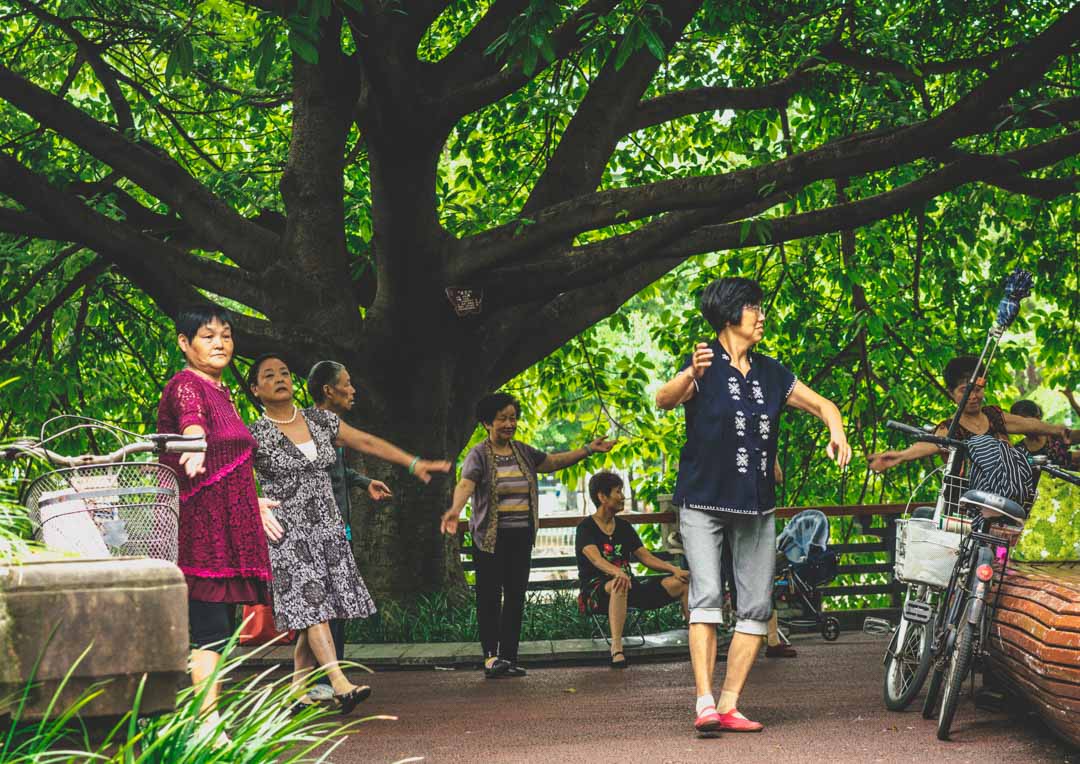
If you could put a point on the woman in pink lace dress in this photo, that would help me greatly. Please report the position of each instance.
(223, 551)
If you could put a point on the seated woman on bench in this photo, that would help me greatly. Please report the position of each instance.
(605, 547)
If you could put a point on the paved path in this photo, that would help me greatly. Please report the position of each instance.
(824, 706)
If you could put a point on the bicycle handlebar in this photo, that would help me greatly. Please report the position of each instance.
(921, 435)
(156, 442)
(1060, 474)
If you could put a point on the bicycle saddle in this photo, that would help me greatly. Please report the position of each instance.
(1007, 508)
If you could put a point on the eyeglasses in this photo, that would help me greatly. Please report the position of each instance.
(756, 308)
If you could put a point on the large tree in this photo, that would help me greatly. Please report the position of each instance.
(332, 168)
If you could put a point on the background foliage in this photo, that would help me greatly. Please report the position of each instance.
(868, 318)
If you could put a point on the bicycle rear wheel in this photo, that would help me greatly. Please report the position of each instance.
(959, 666)
(907, 663)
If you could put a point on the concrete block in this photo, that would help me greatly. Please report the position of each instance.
(130, 612)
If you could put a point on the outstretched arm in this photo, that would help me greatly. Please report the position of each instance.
(805, 399)
(462, 491)
(1022, 425)
(369, 444)
(564, 459)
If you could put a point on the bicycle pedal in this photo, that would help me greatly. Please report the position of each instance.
(917, 611)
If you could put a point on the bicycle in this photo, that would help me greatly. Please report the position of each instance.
(962, 622)
(105, 505)
(924, 560)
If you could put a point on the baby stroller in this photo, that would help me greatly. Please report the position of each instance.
(805, 562)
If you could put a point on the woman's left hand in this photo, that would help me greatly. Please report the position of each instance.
(378, 490)
(424, 468)
(602, 445)
(270, 524)
(838, 449)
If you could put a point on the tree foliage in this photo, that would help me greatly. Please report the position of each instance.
(330, 167)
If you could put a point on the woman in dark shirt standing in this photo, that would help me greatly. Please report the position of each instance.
(499, 474)
(726, 487)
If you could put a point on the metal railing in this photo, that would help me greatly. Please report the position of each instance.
(883, 549)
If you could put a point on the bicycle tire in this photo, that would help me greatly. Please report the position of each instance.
(959, 665)
(933, 690)
(910, 641)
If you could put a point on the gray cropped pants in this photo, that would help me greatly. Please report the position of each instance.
(752, 540)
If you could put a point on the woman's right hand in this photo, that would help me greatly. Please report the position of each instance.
(423, 469)
(702, 360)
(271, 525)
(193, 463)
(621, 582)
(884, 461)
(449, 524)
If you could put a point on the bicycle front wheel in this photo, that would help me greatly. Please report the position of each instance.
(907, 663)
(958, 669)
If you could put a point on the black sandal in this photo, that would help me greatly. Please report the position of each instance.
(619, 664)
(349, 700)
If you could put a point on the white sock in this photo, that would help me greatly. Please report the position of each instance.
(705, 701)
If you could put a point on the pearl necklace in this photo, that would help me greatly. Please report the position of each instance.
(290, 420)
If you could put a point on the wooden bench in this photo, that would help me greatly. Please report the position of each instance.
(1034, 645)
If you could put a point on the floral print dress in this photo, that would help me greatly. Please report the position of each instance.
(315, 574)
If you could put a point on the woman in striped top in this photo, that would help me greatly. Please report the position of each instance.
(499, 474)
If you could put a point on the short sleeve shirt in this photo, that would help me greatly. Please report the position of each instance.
(732, 423)
(617, 548)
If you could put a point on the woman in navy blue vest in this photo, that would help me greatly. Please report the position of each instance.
(726, 487)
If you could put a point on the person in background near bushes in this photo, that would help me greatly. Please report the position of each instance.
(976, 419)
(606, 546)
(726, 488)
(500, 475)
(222, 544)
(1053, 447)
(331, 389)
(315, 575)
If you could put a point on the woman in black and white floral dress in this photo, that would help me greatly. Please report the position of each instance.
(315, 575)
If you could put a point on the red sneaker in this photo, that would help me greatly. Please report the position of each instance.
(708, 720)
(733, 721)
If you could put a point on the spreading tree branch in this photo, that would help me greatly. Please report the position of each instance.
(486, 81)
(245, 242)
(92, 53)
(84, 277)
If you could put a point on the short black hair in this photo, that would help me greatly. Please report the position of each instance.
(723, 300)
(603, 482)
(1027, 408)
(322, 374)
(253, 370)
(492, 403)
(959, 370)
(191, 318)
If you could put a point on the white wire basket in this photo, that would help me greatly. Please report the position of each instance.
(118, 510)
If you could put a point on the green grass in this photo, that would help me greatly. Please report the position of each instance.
(253, 710)
(433, 618)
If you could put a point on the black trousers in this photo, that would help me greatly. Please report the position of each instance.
(501, 581)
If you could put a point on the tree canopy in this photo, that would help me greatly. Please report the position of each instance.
(330, 168)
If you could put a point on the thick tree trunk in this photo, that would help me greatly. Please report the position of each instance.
(397, 542)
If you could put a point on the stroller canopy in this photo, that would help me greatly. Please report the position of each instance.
(809, 528)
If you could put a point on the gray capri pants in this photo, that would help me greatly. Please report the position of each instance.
(753, 549)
